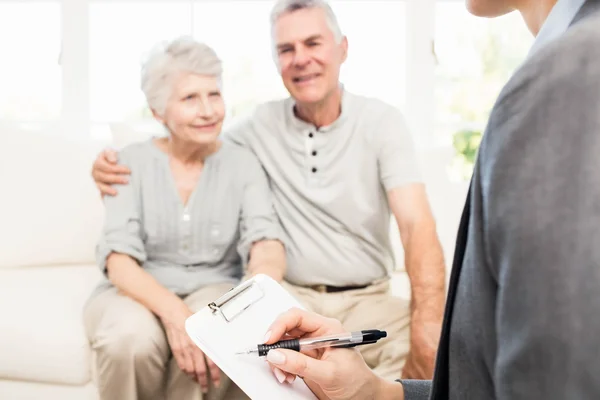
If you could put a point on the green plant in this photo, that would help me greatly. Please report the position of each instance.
(466, 143)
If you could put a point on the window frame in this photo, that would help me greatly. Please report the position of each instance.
(75, 116)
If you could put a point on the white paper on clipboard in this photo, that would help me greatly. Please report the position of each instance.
(238, 320)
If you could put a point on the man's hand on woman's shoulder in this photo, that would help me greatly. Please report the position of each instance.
(106, 171)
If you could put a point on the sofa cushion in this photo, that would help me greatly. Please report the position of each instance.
(51, 211)
(19, 390)
(43, 338)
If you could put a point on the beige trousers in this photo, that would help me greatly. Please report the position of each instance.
(370, 308)
(132, 354)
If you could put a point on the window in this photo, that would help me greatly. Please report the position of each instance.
(119, 39)
(99, 45)
(30, 72)
(376, 64)
(473, 64)
(121, 34)
(243, 42)
(250, 75)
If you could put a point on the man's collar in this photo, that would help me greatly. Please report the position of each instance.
(303, 125)
(557, 23)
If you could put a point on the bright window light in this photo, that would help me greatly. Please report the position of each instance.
(121, 34)
(30, 72)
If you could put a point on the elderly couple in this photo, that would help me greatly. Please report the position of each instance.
(302, 192)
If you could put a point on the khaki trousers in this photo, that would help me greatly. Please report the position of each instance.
(132, 355)
(370, 308)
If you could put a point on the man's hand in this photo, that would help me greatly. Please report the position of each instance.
(107, 172)
(425, 336)
(330, 373)
(189, 357)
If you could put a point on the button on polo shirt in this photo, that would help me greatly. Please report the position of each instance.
(310, 145)
(330, 185)
(313, 138)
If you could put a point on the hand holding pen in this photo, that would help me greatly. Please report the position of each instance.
(329, 372)
(341, 340)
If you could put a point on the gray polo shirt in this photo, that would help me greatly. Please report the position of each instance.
(203, 242)
(330, 185)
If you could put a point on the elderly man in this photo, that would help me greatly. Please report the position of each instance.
(339, 165)
(521, 318)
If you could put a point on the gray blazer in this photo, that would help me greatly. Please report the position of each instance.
(523, 312)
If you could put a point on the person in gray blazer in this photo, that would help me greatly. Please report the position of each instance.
(521, 319)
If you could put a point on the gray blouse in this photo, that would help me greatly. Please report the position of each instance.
(186, 247)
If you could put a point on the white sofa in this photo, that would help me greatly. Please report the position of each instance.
(50, 217)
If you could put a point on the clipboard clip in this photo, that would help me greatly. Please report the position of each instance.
(237, 300)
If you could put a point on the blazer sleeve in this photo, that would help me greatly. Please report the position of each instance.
(416, 389)
(540, 178)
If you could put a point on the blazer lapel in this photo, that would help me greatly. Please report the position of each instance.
(441, 382)
(588, 8)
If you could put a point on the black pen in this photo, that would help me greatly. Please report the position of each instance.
(343, 340)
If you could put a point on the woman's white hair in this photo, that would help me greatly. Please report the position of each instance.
(283, 7)
(168, 60)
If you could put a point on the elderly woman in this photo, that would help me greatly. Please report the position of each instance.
(195, 216)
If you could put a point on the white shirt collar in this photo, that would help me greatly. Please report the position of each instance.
(557, 23)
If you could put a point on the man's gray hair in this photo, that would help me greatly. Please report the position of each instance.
(168, 60)
(289, 6)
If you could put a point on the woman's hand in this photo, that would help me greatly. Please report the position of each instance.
(330, 373)
(189, 357)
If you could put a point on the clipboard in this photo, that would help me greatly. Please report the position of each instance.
(238, 320)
